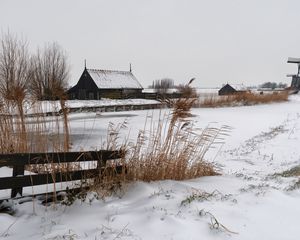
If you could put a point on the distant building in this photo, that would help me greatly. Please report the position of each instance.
(229, 89)
(96, 84)
(295, 84)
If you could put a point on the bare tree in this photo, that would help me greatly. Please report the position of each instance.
(14, 68)
(49, 73)
(162, 85)
(49, 79)
(14, 76)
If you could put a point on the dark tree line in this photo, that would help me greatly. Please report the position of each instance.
(273, 85)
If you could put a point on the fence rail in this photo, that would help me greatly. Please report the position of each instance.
(106, 108)
(117, 108)
(18, 161)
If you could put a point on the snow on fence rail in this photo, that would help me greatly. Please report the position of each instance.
(107, 108)
(116, 108)
(19, 160)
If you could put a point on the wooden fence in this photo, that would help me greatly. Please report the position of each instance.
(117, 108)
(18, 161)
(107, 108)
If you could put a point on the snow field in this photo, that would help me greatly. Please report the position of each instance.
(250, 200)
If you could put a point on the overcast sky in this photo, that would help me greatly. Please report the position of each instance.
(215, 41)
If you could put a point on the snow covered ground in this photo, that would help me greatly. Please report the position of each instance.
(248, 201)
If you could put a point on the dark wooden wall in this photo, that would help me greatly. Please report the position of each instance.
(85, 89)
(295, 82)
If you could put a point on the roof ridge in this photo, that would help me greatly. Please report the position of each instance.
(114, 79)
(103, 70)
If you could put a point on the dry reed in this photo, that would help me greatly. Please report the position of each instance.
(171, 148)
(167, 148)
(20, 132)
(244, 99)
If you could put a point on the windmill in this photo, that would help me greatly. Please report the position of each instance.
(295, 77)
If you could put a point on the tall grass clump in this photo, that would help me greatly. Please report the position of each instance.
(171, 148)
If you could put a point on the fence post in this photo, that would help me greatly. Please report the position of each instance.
(17, 170)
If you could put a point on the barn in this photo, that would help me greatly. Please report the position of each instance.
(95, 84)
(228, 89)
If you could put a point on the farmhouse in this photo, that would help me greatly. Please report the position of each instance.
(232, 89)
(95, 84)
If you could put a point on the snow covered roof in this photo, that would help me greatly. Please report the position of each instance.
(110, 79)
(239, 87)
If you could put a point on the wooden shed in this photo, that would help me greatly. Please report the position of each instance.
(229, 89)
(96, 84)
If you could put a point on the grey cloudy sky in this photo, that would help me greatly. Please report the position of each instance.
(216, 41)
